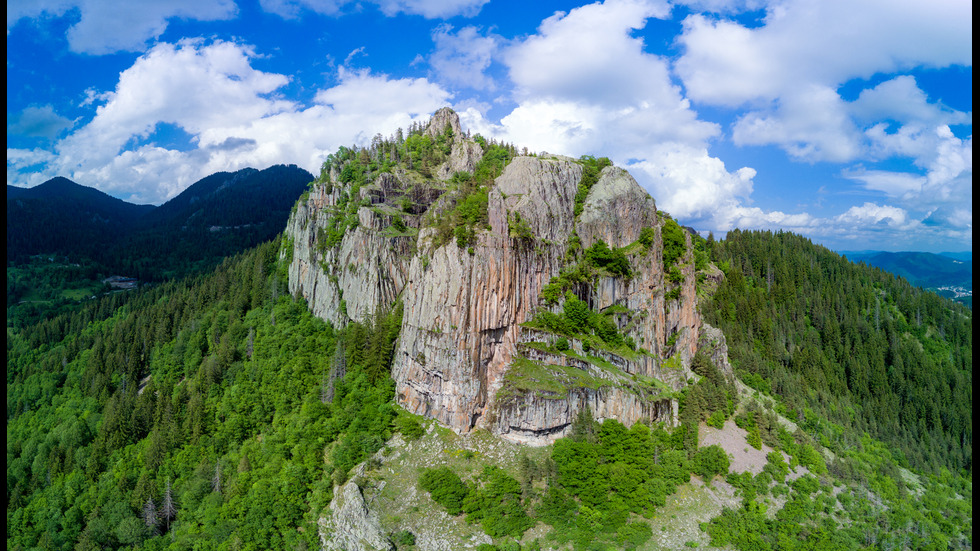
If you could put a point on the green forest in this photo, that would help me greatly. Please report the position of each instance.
(848, 349)
(214, 411)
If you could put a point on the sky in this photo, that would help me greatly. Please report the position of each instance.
(847, 121)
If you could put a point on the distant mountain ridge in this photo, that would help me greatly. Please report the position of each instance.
(930, 270)
(220, 214)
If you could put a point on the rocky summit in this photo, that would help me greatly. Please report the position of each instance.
(533, 287)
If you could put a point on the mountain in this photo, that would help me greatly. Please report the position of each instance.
(484, 264)
(60, 216)
(217, 216)
(923, 269)
(452, 346)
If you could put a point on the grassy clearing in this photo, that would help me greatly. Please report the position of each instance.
(392, 488)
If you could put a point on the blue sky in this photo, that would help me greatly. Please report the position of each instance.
(848, 122)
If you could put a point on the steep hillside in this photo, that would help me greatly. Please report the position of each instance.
(60, 216)
(216, 217)
(88, 236)
(534, 287)
(221, 214)
(859, 347)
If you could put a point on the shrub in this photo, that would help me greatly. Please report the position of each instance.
(613, 261)
(674, 244)
(710, 461)
(446, 488)
(403, 538)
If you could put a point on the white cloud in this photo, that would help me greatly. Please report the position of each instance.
(589, 55)
(723, 6)
(947, 162)
(584, 84)
(107, 26)
(692, 185)
(462, 58)
(820, 41)
(811, 125)
(901, 99)
(874, 214)
(892, 184)
(180, 85)
(430, 9)
(787, 73)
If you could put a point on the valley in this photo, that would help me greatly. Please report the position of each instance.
(454, 346)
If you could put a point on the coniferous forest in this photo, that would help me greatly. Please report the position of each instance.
(216, 412)
(849, 349)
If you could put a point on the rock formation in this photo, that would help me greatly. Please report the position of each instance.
(472, 351)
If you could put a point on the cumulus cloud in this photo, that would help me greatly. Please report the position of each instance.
(584, 84)
(872, 213)
(811, 125)
(947, 162)
(107, 26)
(694, 186)
(788, 71)
(589, 55)
(432, 9)
(826, 42)
(180, 84)
(462, 58)
(901, 99)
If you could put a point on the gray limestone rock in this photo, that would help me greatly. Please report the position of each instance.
(350, 525)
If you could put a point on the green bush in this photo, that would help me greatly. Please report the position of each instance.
(446, 488)
(711, 461)
(613, 261)
(674, 243)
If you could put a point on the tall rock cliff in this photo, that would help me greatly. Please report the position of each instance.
(534, 287)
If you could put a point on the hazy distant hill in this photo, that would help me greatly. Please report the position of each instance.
(929, 270)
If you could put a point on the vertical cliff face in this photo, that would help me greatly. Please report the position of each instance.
(476, 347)
(463, 309)
(364, 271)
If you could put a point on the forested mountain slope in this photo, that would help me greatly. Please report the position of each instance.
(87, 236)
(196, 412)
(857, 346)
(220, 215)
(62, 216)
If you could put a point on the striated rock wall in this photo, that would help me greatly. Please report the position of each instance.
(366, 271)
(462, 310)
(538, 420)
